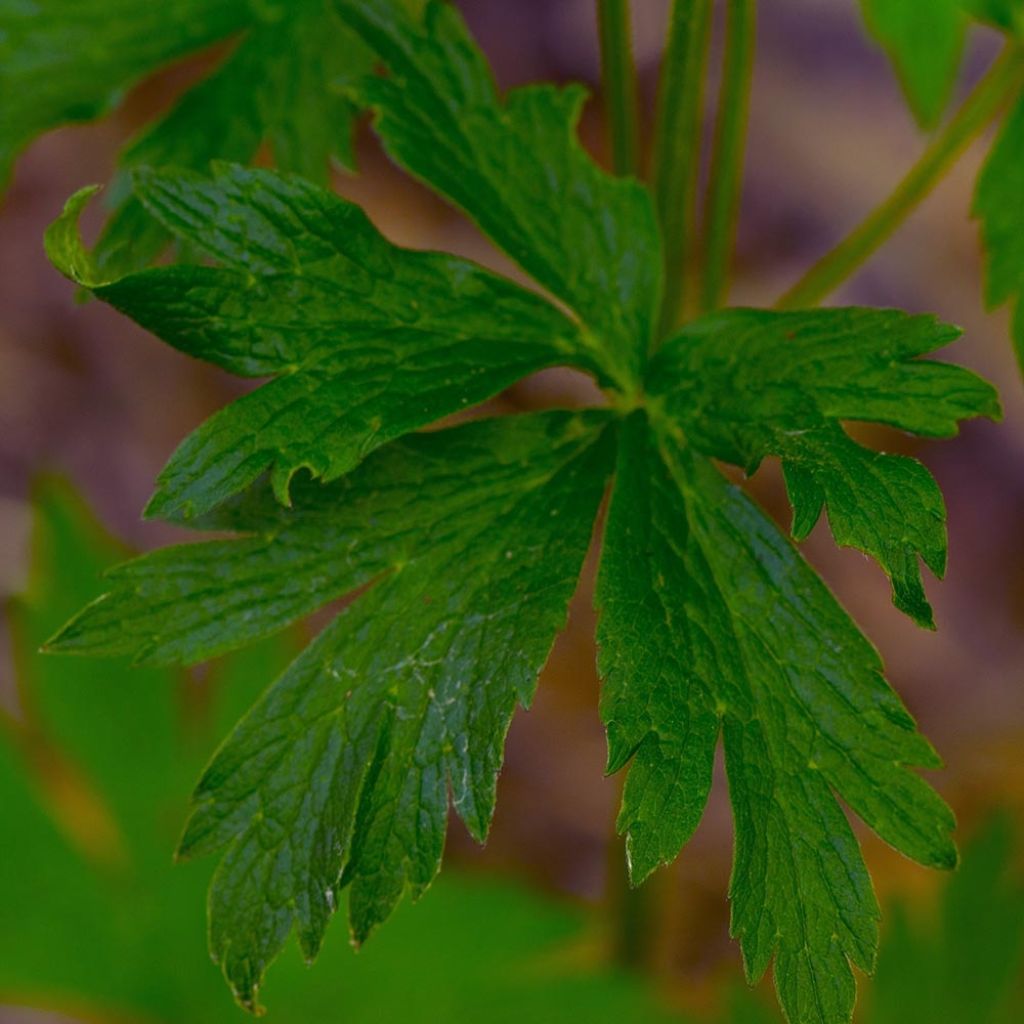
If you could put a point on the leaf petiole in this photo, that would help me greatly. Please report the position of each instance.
(618, 74)
(727, 159)
(677, 147)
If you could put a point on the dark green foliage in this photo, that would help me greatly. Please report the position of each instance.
(282, 82)
(463, 545)
(999, 204)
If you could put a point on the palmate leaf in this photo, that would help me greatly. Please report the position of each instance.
(468, 540)
(475, 537)
(282, 83)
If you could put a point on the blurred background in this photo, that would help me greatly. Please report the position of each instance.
(91, 399)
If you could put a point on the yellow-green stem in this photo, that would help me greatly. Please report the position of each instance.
(677, 147)
(724, 184)
(1003, 80)
(618, 75)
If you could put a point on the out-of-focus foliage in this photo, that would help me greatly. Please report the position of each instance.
(999, 205)
(963, 963)
(926, 72)
(95, 919)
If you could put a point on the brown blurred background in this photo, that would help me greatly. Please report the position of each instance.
(85, 393)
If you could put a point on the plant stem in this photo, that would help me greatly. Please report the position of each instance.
(984, 102)
(619, 76)
(677, 146)
(727, 159)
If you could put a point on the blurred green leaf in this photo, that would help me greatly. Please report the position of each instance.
(964, 963)
(282, 83)
(1007, 15)
(925, 41)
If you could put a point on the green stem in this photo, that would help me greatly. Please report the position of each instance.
(1003, 79)
(619, 76)
(677, 146)
(636, 914)
(730, 144)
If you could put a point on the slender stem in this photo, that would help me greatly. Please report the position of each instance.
(634, 913)
(730, 146)
(619, 76)
(677, 146)
(1003, 79)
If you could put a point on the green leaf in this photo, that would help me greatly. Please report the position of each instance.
(283, 83)
(710, 622)
(475, 537)
(123, 939)
(997, 204)
(468, 541)
(925, 41)
(516, 167)
(364, 341)
(746, 384)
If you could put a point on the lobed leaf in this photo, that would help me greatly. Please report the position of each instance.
(516, 167)
(745, 384)
(364, 341)
(710, 622)
(339, 776)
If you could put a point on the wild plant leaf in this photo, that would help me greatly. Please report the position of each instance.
(364, 341)
(282, 83)
(927, 70)
(516, 167)
(339, 777)
(998, 204)
(711, 623)
(746, 384)
(120, 937)
(468, 540)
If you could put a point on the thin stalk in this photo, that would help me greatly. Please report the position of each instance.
(634, 914)
(987, 98)
(677, 147)
(730, 147)
(618, 74)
